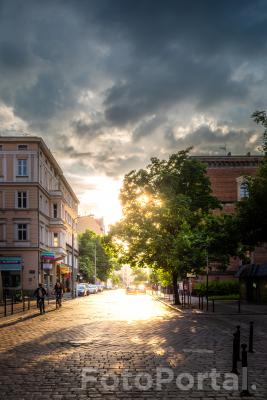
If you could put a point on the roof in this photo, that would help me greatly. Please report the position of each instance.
(216, 161)
(47, 151)
(252, 271)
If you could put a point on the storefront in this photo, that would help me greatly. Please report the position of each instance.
(64, 274)
(10, 275)
(48, 270)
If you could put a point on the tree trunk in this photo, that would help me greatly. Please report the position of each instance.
(175, 288)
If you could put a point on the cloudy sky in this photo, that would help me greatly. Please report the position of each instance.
(110, 83)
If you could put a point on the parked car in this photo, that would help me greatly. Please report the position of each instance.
(82, 289)
(100, 287)
(92, 288)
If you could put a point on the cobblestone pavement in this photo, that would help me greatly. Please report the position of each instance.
(121, 338)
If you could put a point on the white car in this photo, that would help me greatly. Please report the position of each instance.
(92, 288)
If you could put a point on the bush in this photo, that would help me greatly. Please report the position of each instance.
(218, 288)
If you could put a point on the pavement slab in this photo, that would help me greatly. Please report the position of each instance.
(117, 346)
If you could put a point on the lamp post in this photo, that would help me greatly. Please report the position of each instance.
(207, 280)
(73, 294)
(95, 262)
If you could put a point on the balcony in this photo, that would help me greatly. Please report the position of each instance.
(56, 193)
(58, 222)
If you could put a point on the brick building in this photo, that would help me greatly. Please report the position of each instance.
(38, 214)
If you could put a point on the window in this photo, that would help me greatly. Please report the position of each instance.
(41, 234)
(22, 231)
(243, 190)
(55, 210)
(2, 232)
(22, 200)
(55, 240)
(22, 167)
(22, 147)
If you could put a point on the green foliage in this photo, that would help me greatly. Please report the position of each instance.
(218, 288)
(252, 211)
(140, 276)
(91, 245)
(162, 277)
(162, 207)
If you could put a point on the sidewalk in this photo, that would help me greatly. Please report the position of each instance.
(221, 307)
(30, 310)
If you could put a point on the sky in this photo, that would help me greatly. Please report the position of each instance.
(109, 84)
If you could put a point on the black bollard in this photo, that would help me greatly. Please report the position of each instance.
(235, 354)
(238, 342)
(213, 306)
(245, 391)
(5, 308)
(251, 332)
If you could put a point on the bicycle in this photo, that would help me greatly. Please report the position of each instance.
(58, 302)
(41, 305)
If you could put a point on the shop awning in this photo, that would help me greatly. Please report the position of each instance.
(47, 255)
(10, 263)
(64, 269)
(252, 271)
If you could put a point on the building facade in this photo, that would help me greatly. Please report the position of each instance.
(38, 217)
(90, 222)
(227, 176)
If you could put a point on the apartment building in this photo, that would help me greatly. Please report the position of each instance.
(38, 217)
(90, 222)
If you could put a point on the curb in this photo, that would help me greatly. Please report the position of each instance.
(169, 305)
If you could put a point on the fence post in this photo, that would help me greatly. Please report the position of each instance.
(235, 350)
(202, 303)
(213, 306)
(238, 342)
(12, 304)
(245, 391)
(29, 304)
(207, 306)
(23, 302)
(199, 301)
(251, 334)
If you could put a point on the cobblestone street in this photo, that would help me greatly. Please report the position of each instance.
(119, 336)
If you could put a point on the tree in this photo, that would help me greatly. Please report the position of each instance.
(91, 246)
(252, 211)
(162, 205)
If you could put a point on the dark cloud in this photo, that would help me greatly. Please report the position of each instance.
(205, 140)
(111, 82)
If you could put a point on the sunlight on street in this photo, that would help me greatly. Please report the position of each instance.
(133, 307)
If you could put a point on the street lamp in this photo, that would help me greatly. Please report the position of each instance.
(207, 280)
(72, 262)
(95, 262)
